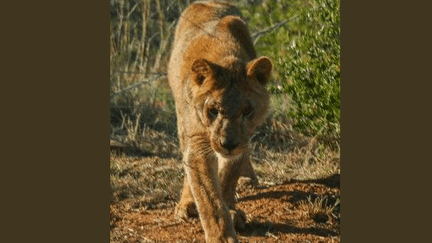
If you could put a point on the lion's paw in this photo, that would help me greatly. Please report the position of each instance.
(238, 218)
(248, 182)
(185, 211)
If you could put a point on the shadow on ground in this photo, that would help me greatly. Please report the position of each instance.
(332, 181)
(267, 228)
(295, 195)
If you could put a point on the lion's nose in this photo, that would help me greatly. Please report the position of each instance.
(229, 144)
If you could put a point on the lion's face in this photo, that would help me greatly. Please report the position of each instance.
(231, 101)
(229, 116)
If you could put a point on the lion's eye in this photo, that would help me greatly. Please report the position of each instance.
(213, 112)
(248, 111)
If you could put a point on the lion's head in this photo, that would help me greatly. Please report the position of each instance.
(231, 100)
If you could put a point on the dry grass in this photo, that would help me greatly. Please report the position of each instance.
(150, 182)
(323, 209)
(279, 155)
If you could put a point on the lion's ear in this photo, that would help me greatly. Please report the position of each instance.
(201, 68)
(259, 69)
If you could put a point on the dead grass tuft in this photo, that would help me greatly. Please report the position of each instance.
(322, 209)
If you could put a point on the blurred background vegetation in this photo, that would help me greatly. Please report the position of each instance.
(301, 37)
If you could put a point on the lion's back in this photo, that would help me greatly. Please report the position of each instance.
(198, 19)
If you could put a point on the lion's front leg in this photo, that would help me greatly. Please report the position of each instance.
(202, 176)
(248, 173)
(229, 174)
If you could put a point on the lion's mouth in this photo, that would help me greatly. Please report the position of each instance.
(229, 154)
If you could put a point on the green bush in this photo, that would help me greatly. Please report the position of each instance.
(312, 71)
(306, 54)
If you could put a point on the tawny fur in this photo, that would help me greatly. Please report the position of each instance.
(219, 88)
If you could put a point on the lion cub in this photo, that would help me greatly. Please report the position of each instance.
(219, 88)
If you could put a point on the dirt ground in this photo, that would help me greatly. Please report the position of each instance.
(288, 212)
